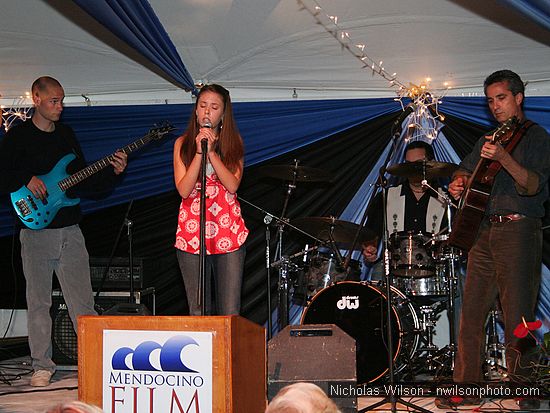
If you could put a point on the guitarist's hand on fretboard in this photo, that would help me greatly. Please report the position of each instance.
(493, 151)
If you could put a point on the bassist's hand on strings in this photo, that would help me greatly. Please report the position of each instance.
(38, 188)
(119, 161)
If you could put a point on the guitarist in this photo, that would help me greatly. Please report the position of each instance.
(505, 260)
(28, 150)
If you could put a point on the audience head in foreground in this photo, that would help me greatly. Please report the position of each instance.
(75, 407)
(302, 398)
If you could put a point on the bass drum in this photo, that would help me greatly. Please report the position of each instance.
(359, 309)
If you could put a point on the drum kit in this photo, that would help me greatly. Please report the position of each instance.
(422, 282)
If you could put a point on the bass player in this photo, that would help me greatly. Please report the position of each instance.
(29, 150)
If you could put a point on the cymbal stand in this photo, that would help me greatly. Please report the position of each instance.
(283, 282)
(391, 397)
(334, 247)
(283, 264)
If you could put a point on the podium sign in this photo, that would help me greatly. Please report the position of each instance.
(151, 364)
(170, 369)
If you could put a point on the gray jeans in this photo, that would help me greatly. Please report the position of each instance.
(226, 271)
(44, 251)
(505, 261)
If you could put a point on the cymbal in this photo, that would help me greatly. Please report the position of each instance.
(287, 172)
(432, 169)
(343, 232)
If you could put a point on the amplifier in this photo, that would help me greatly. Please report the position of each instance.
(118, 275)
(64, 341)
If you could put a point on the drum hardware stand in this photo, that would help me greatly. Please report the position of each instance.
(428, 323)
(392, 398)
(449, 351)
(283, 264)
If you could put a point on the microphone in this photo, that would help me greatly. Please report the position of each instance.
(204, 141)
(396, 127)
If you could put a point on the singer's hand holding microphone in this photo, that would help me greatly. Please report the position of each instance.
(206, 138)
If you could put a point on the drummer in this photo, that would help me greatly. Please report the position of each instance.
(410, 206)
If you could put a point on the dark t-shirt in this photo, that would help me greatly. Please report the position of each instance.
(26, 151)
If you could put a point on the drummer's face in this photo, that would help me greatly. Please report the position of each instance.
(412, 155)
(416, 154)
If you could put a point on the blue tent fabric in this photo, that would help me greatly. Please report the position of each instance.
(135, 22)
(269, 129)
(536, 10)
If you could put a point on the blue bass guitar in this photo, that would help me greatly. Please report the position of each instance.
(37, 214)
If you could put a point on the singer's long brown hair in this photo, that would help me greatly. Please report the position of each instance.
(229, 146)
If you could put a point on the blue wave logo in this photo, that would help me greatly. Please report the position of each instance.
(170, 355)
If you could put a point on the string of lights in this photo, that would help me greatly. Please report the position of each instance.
(330, 24)
(18, 112)
(425, 101)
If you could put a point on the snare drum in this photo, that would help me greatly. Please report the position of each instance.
(435, 286)
(411, 255)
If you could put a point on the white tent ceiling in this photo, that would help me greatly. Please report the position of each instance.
(264, 49)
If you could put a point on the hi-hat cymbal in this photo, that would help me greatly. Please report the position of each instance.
(423, 169)
(288, 172)
(343, 232)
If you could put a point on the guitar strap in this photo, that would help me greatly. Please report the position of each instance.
(495, 166)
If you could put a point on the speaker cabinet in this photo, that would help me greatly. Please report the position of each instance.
(64, 340)
(322, 354)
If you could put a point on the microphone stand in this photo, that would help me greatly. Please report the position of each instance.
(380, 183)
(131, 307)
(391, 397)
(267, 221)
(203, 291)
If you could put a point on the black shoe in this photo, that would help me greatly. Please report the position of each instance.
(456, 401)
(528, 404)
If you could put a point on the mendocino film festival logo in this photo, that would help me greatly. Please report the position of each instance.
(157, 371)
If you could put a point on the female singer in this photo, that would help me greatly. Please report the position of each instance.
(226, 232)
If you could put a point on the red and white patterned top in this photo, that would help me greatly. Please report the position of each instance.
(225, 227)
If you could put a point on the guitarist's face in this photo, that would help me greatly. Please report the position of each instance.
(502, 103)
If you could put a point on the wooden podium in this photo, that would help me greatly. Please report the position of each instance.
(238, 350)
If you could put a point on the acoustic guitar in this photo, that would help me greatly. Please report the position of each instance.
(474, 199)
(37, 214)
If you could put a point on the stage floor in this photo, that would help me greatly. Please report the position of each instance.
(17, 396)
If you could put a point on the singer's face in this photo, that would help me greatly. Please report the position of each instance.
(210, 109)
